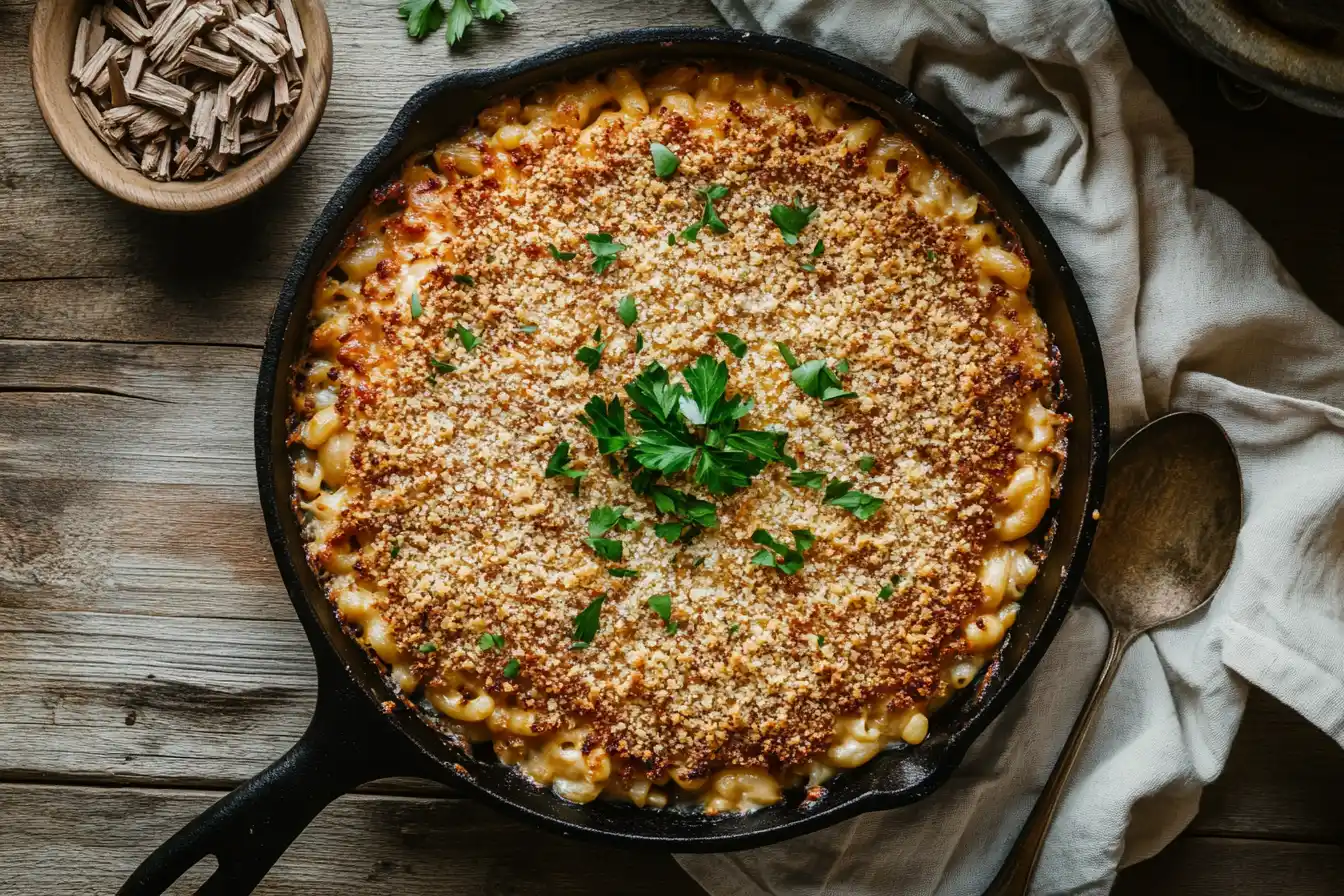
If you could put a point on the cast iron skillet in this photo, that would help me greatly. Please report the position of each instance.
(351, 740)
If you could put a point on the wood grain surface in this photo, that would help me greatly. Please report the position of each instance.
(148, 656)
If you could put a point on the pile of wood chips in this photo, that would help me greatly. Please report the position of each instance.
(183, 89)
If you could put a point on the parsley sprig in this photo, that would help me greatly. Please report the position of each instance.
(591, 355)
(605, 249)
(559, 465)
(423, 17)
(709, 217)
(586, 624)
(662, 605)
(815, 378)
(780, 556)
(791, 219)
(841, 494)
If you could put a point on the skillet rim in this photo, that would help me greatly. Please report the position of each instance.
(795, 819)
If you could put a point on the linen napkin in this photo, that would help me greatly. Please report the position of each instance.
(1195, 312)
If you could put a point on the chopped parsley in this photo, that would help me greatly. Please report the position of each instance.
(809, 267)
(819, 381)
(842, 494)
(396, 549)
(671, 239)
(821, 640)
(586, 624)
(735, 345)
(791, 219)
(818, 249)
(488, 641)
(560, 256)
(558, 465)
(669, 532)
(529, 328)
(698, 562)
(807, 478)
(603, 519)
(787, 354)
(464, 279)
(639, 343)
(442, 366)
(416, 308)
(606, 421)
(511, 668)
(931, 255)
(605, 250)
(732, 629)
(627, 310)
(867, 462)
(606, 548)
(665, 161)
(662, 605)
(709, 217)
(890, 588)
(621, 573)
(469, 339)
(428, 647)
(777, 555)
(591, 355)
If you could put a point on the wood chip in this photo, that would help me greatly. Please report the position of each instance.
(153, 90)
(81, 48)
(187, 88)
(289, 20)
(116, 84)
(97, 63)
(212, 60)
(136, 68)
(122, 21)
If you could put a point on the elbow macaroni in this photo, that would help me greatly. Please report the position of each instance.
(341, 352)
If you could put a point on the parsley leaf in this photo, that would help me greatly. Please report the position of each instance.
(669, 532)
(627, 310)
(809, 267)
(423, 17)
(602, 519)
(819, 381)
(416, 308)
(842, 494)
(885, 592)
(818, 249)
(469, 339)
(779, 556)
(665, 161)
(606, 548)
(735, 345)
(606, 421)
(639, 343)
(708, 381)
(512, 666)
(654, 394)
(586, 623)
(529, 328)
(464, 279)
(558, 255)
(791, 219)
(396, 549)
(428, 647)
(709, 217)
(867, 462)
(442, 366)
(667, 451)
(732, 629)
(487, 641)
(604, 249)
(459, 17)
(620, 573)
(671, 239)
(558, 465)
(495, 10)
(787, 354)
(591, 355)
(687, 507)
(931, 255)
(662, 605)
(807, 479)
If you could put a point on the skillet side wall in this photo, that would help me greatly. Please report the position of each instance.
(893, 779)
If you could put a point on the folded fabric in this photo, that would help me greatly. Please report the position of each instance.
(1194, 311)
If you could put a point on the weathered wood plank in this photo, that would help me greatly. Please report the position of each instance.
(77, 840)
(1216, 866)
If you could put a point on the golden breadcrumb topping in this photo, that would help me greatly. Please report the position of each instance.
(454, 517)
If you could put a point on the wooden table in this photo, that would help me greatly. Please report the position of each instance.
(148, 657)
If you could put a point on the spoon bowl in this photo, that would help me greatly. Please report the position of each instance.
(1169, 523)
(1165, 540)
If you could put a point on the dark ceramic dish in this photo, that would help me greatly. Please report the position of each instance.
(352, 740)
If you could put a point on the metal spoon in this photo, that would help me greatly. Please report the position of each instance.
(1168, 528)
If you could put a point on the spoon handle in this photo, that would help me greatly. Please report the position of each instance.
(1014, 878)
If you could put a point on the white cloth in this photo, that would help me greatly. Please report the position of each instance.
(1194, 311)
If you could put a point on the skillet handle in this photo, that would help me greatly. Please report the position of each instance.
(348, 743)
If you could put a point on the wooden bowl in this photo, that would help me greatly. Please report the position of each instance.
(51, 45)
